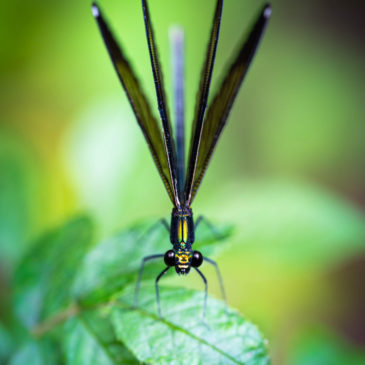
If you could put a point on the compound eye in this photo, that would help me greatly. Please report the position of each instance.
(169, 258)
(197, 259)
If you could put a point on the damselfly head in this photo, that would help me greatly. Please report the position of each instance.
(181, 259)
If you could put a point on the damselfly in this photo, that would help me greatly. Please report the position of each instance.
(168, 150)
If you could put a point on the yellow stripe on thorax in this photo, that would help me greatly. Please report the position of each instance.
(183, 230)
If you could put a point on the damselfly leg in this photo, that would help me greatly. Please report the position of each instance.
(212, 262)
(138, 284)
(211, 227)
(217, 235)
(170, 261)
(160, 275)
(205, 293)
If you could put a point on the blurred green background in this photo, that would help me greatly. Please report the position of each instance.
(288, 172)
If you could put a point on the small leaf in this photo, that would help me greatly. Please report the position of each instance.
(43, 278)
(89, 339)
(114, 263)
(181, 337)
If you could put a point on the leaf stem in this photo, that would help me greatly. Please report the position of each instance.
(42, 328)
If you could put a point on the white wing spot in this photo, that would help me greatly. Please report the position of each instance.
(95, 11)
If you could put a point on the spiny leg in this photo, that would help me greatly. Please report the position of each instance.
(214, 231)
(212, 262)
(162, 273)
(144, 260)
(164, 222)
(151, 229)
(205, 294)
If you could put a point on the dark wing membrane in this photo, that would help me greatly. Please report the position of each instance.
(202, 99)
(161, 100)
(138, 101)
(220, 107)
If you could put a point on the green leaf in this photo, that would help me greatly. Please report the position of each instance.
(114, 263)
(6, 343)
(89, 339)
(181, 337)
(43, 278)
(19, 184)
(114, 334)
(293, 224)
(42, 352)
(319, 345)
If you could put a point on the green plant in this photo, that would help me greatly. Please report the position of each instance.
(73, 305)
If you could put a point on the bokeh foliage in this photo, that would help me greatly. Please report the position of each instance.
(289, 171)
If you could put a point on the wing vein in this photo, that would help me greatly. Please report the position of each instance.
(161, 100)
(221, 105)
(202, 99)
(138, 102)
